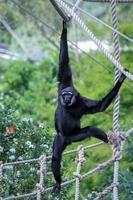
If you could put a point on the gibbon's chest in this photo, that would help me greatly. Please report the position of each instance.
(69, 122)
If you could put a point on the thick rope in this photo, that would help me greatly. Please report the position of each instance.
(40, 188)
(77, 173)
(96, 41)
(20, 162)
(108, 1)
(117, 145)
(23, 196)
(105, 192)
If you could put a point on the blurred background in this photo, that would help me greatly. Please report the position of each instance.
(29, 48)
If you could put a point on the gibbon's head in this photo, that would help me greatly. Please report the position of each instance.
(68, 96)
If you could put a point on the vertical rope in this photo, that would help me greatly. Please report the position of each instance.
(77, 173)
(40, 188)
(1, 173)
(117, 99)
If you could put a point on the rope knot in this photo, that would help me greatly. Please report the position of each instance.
(116, 140)
(40, 187)
(115, 184)
(77, 175)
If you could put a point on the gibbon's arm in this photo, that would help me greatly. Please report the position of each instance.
(92, 106)
(65, 74)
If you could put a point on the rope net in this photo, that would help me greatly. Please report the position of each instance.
(115, 138)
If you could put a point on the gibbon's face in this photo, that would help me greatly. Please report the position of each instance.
(68, 96)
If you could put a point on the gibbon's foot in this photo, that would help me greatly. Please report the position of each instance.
(57, 187)
(106, 140)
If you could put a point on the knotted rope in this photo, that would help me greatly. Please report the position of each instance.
(106, 191)
(117, 144)
(42, 172)
(80, 162)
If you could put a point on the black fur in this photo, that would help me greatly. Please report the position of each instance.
(71, 107)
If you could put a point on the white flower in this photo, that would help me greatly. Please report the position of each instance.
(18, 174)
(32, 169)
(2, 106)
(1, 149)
(27, 120)
(45, 146)
(41, 125)
(12, 150)
(12, 157)
(29, 144)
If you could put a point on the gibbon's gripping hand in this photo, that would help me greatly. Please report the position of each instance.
(65, 25)
(123, 77)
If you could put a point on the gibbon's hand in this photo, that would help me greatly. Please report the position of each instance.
(123, 77)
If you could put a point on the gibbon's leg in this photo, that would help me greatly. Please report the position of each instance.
(87, 132)
(58, 146)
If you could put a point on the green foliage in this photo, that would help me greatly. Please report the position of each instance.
(126, 29)
(20, 140)
(29, 94)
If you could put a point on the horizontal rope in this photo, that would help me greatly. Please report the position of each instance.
(20, 162)
(99, 167)
(21, 196)
(130, 131)
(85, 148)
(106, 191)
(108, 1)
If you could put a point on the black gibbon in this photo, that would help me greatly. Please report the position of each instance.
(71, 107)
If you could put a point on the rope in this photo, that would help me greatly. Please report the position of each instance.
(77, 173)
(97, 42)
(112, 139)
(127, 134)
(108, 1)
(40, 188)
(106, 191)
(20, 162)
(85, 148)
(23, 196)
(99, 167)
(117, 144)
